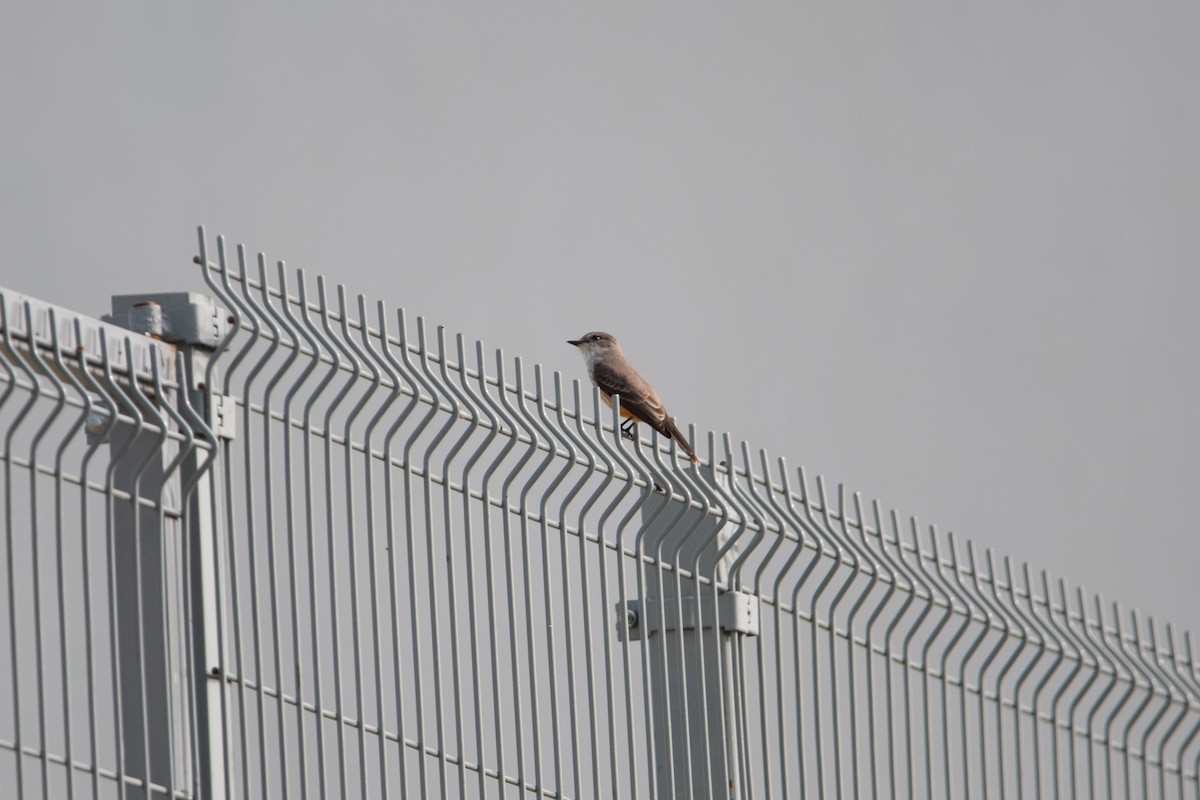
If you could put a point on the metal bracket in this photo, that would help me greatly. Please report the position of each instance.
(173, 317)
(224, 416)
(738, 613)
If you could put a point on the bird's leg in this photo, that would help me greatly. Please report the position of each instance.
(627, 429)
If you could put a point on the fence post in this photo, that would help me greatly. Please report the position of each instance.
(693, 681)
(153, 624)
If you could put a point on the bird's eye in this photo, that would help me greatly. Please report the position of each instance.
(595, 338)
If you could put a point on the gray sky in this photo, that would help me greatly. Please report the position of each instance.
(945, 254)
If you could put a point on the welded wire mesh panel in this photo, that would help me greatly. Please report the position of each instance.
(423, 561)
(445, 574)
(897, 661)
(96, 680)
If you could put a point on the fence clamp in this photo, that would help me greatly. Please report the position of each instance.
(224, 419)
(176, 317)
(738, 613)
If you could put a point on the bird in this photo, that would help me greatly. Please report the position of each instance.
(612, 373)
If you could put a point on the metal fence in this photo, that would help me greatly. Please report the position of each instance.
(286, 544)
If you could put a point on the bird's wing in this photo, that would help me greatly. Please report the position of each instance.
(637, 396)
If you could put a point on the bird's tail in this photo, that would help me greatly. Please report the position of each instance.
(669, 429)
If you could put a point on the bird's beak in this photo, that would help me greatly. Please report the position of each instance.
(575, 342)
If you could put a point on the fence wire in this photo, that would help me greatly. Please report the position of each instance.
(439, 573)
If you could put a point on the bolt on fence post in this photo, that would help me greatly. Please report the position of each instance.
(168, 625)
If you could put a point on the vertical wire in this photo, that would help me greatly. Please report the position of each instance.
(1181, 685)
(34, 548)
(1195, 731)
(1100, 650)
(521, 422)
(936, 594)
(919, 577)
(430, 547)
(295, 331)
(731, 559)
(541, 424)
(577, 450)
(753, 518)
(196, 423)
(898, 567)
(1067, 634)
(992, 611)
(111, 556)
(410, 533)
(275, 336)
(357, 359)
(634, 465)
(476, 420)
(1186, 671)
(719, 579)
(1149, 665)
(771, 510)
(943, 669)
(964, 596)
(877, 569)
(723, 577)
(490, 580)
(327, 340)
(1141, 707)
(694, 489)
(1048, 638)
(662, 562)
(768, 514)
(571, 454)
(240, 310)
(231, 510)
(185, 448)
(1175, 684)
(828, 548)
(1119, 653)
(983, 628)
(860, 561)
(98, 438)
(10, 383)
(605, 600)
(380, 368)
(1137, 661)
(790, 520)
(714, 503)
(401, 369)
(1018, 630)
(908, 596)
(36, 571)
(831, 611)
(214, 507)
(615, 456)
(506, 532)
(781, 541)
(1031, 629)
(823, 548)
(444, 388)
(154, 453)
(1054, 701)
(308, 431)
(64, 649)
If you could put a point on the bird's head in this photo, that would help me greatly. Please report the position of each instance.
(596, 345)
